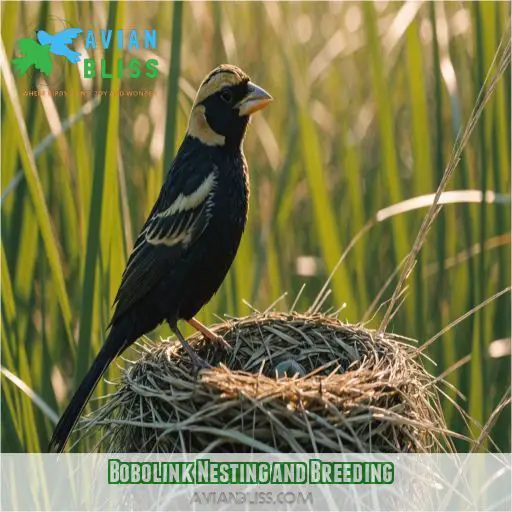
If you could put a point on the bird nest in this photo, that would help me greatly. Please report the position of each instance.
(290, 383)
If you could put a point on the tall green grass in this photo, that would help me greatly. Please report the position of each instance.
(369, 99)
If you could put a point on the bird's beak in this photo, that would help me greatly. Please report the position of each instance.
(256, 99)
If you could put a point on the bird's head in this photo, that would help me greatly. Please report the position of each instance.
(43, 37)
(224, 102)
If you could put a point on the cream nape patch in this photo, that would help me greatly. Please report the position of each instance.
(199, 128)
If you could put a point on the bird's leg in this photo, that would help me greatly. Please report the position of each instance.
(197, 362)
(207, 333)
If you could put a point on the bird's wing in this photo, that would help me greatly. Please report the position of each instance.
(33, 54)
(42, 59)
(28, 46)
(67, 35)
(179, 217)
(44, 64)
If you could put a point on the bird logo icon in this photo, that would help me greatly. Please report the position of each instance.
(59, 43)
(33, 54)
(37, 53)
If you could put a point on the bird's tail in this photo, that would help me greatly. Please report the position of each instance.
(115, 343)
(72, 56)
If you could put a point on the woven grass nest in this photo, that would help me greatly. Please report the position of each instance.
(290, 383)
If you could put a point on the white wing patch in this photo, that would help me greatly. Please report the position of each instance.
(170, 239)
(183, 202)
(176, 224)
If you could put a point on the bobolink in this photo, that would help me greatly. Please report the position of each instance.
(192, 234)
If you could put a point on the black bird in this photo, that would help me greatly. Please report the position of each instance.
(192, 234)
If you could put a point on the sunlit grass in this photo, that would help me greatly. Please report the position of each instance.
(369, 99)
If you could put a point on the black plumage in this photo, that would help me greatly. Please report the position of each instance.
(192, 234)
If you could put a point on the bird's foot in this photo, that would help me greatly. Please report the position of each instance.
(197, 362)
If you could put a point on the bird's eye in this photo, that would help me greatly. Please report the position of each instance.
(226, 95)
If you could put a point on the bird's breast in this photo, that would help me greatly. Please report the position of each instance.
(231, 195)
(211, 256)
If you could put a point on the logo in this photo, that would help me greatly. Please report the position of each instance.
(38, 54)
